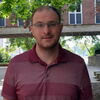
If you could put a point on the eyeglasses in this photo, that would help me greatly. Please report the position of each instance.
(50, 24)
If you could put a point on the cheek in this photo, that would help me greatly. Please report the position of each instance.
(58, 30)
(35, 32)
(37, 36)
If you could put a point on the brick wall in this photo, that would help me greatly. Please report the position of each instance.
(8, 23)
(88, 12)
(65, 16)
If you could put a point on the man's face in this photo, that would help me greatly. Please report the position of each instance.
(46, 28)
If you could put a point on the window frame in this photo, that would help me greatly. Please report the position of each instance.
(75, 14)
(97, 1)
(96, 21)
(4, 22)
(18, 23)
(95, 4)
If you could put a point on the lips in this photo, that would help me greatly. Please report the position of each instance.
(47, 37)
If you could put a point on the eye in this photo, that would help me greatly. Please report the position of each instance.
(53, 24)
(39, 25)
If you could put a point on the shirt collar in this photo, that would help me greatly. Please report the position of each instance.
(33, 57)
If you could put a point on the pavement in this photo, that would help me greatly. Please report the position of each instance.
(2, 73)
(91, 70)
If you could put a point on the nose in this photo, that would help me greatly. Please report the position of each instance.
(46, 29)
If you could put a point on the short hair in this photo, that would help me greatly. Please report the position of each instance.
(48, 8)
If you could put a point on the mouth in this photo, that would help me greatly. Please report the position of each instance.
(47, 37)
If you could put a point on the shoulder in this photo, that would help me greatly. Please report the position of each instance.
(73, 57)
(21, 57)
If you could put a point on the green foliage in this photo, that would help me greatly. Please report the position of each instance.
(4, 56)
(24, 43)
(24, 8)
(64, 43)
(88, 44)
(92, 51)
(85, 44)
(95, 47)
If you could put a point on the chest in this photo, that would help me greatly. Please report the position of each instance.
(58, 80)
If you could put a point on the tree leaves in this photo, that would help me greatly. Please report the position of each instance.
(24, 8)
(24, 43)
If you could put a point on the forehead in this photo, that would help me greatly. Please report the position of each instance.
(45, 15)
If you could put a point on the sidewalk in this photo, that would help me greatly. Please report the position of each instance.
(2, 73)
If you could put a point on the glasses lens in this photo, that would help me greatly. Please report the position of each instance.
(50, 24)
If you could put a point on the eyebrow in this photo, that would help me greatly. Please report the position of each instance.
(47, 22)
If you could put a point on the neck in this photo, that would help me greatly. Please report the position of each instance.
(47, 55)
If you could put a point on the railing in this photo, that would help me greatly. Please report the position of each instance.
(70, 30)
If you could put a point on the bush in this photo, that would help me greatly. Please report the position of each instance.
(95, 48)
(4, 56)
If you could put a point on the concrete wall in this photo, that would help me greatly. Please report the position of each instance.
(94, 61)
(96, 91)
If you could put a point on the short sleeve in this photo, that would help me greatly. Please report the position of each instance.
(9, 90)
(86, 89)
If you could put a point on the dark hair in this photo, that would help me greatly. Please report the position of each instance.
(48, 7)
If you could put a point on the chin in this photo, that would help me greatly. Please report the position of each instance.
(49, 46)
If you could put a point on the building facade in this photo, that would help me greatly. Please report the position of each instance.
(86, 13)
(85, 20)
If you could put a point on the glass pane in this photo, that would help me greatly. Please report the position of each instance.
(98, 18)
(2, 22)
(72, 18)
(21, 22)
(78, 8)
(97, 1)
(78, 18)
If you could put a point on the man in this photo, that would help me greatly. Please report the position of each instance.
(47, 71)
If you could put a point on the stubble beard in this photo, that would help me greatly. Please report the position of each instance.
(48, 47)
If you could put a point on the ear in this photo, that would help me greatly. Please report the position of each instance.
(31, 30)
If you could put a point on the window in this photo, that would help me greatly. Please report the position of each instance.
(2, 22)
(97, 1)
(76, 16)
(97, 18)
(78, 8)
(72, 18)
(20, 22)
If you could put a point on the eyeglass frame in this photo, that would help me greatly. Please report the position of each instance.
(49, 24)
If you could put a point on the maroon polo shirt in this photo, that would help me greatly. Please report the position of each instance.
(29, 78)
